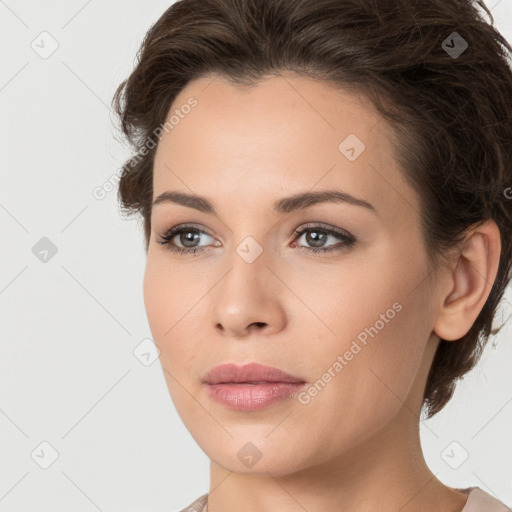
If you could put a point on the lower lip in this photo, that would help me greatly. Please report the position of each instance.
(252, 397)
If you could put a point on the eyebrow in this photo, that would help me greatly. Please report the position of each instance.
(282, 206)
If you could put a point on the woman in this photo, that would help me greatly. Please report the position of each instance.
(325, 189)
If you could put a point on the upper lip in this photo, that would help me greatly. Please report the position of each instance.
(252, 372)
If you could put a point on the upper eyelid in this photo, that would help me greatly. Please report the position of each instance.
(323, 227)
(303, 227)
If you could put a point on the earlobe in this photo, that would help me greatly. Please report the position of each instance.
(470, 282)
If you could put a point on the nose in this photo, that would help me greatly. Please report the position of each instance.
(249, 299)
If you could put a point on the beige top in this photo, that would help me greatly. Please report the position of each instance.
(478, 501)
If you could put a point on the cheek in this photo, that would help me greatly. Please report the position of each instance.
(379, 327)
(164, 311)
(157, 302)
(362, 379)
(170, 296)
(172, 303)
(172, 307)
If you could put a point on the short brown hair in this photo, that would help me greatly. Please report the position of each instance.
(448, 97)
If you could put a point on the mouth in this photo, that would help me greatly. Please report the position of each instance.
(252, 387)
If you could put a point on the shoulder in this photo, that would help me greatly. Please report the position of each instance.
(196, 506)
(481, 501)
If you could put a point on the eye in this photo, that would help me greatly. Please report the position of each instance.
(318, 236)
(188, 236)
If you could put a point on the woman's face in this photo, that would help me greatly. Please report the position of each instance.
(352, 322)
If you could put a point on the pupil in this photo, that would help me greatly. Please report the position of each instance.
(315, 238)
(189, 237)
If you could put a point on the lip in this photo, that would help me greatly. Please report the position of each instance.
(249, 373)
(251, 387)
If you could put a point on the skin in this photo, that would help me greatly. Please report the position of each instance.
(355, 446)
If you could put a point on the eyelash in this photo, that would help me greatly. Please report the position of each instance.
(347, 239)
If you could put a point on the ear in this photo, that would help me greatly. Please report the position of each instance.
(467, 286)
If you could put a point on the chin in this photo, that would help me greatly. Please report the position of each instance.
(254, 455)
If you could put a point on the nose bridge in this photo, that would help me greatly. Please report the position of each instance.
(249, 249)
(245, 295)
(248, 273)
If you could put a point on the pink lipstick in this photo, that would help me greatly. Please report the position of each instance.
(250, 387)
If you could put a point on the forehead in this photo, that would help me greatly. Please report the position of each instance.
(283, 135)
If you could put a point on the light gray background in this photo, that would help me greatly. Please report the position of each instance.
(68, 374)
